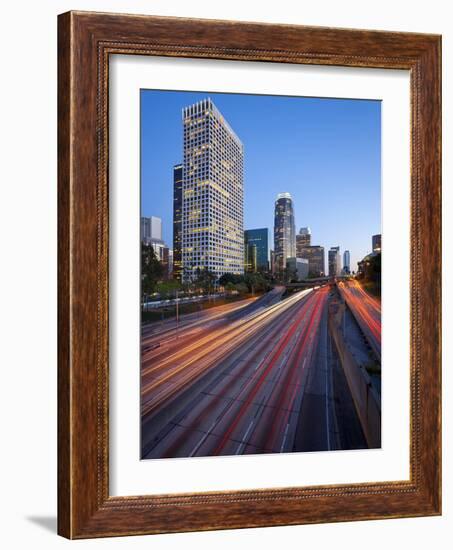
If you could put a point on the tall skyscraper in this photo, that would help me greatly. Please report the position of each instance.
(315, 256)
(334, 261)
(284, 231)
(376, 243)
(303, 239)
(177, 221)
(212, 193)
(346, 262)
(259, 238)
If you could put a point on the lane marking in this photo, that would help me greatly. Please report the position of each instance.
(277, 314)
(327, 393)
(270, 329)
(244, 440)
(285, 435)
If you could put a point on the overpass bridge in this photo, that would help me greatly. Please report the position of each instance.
(310, 283)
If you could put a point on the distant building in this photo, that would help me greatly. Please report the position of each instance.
(364, 265)
(334, 261)
(151, 234)
(272, 261)
(150, 229)
(260, 239)
(212, 193)
(251, 258)
(284, 231)
(170, 262)
(158, 247)
(303, 239)
(376, 244)
(177, 222)
(346, 262)
(297, 268)
(165, 261)
(315, 256)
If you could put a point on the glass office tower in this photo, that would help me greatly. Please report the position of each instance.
(284, 231)
(260, 239)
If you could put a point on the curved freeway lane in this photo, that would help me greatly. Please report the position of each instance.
(237, 384)
(366, 310)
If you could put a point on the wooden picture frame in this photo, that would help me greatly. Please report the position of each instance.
(85, 42)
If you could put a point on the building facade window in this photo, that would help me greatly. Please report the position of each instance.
(212, 229)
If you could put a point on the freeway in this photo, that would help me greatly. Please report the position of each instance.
(366, 310)
(237, 382)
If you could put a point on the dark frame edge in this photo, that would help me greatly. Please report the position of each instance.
(64, 524)
(432, 113)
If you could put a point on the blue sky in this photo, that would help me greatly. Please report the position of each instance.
(325, 152)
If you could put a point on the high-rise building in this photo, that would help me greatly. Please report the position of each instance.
(212, 193)
(346, 262)
(259, 238)
(284, 231)
(303, 239)
(334, 261)
(297, 268)
(376, 243)
(177, 221)
(151, 229)
(315, 256)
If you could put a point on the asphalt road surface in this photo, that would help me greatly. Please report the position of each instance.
(253, 377)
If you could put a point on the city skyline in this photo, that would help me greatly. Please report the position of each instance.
(331, 224)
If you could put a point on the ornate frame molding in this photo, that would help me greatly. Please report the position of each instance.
(86, 40)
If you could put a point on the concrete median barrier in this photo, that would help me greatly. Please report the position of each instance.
(366, 399)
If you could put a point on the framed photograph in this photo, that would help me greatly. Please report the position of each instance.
(249, 275)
